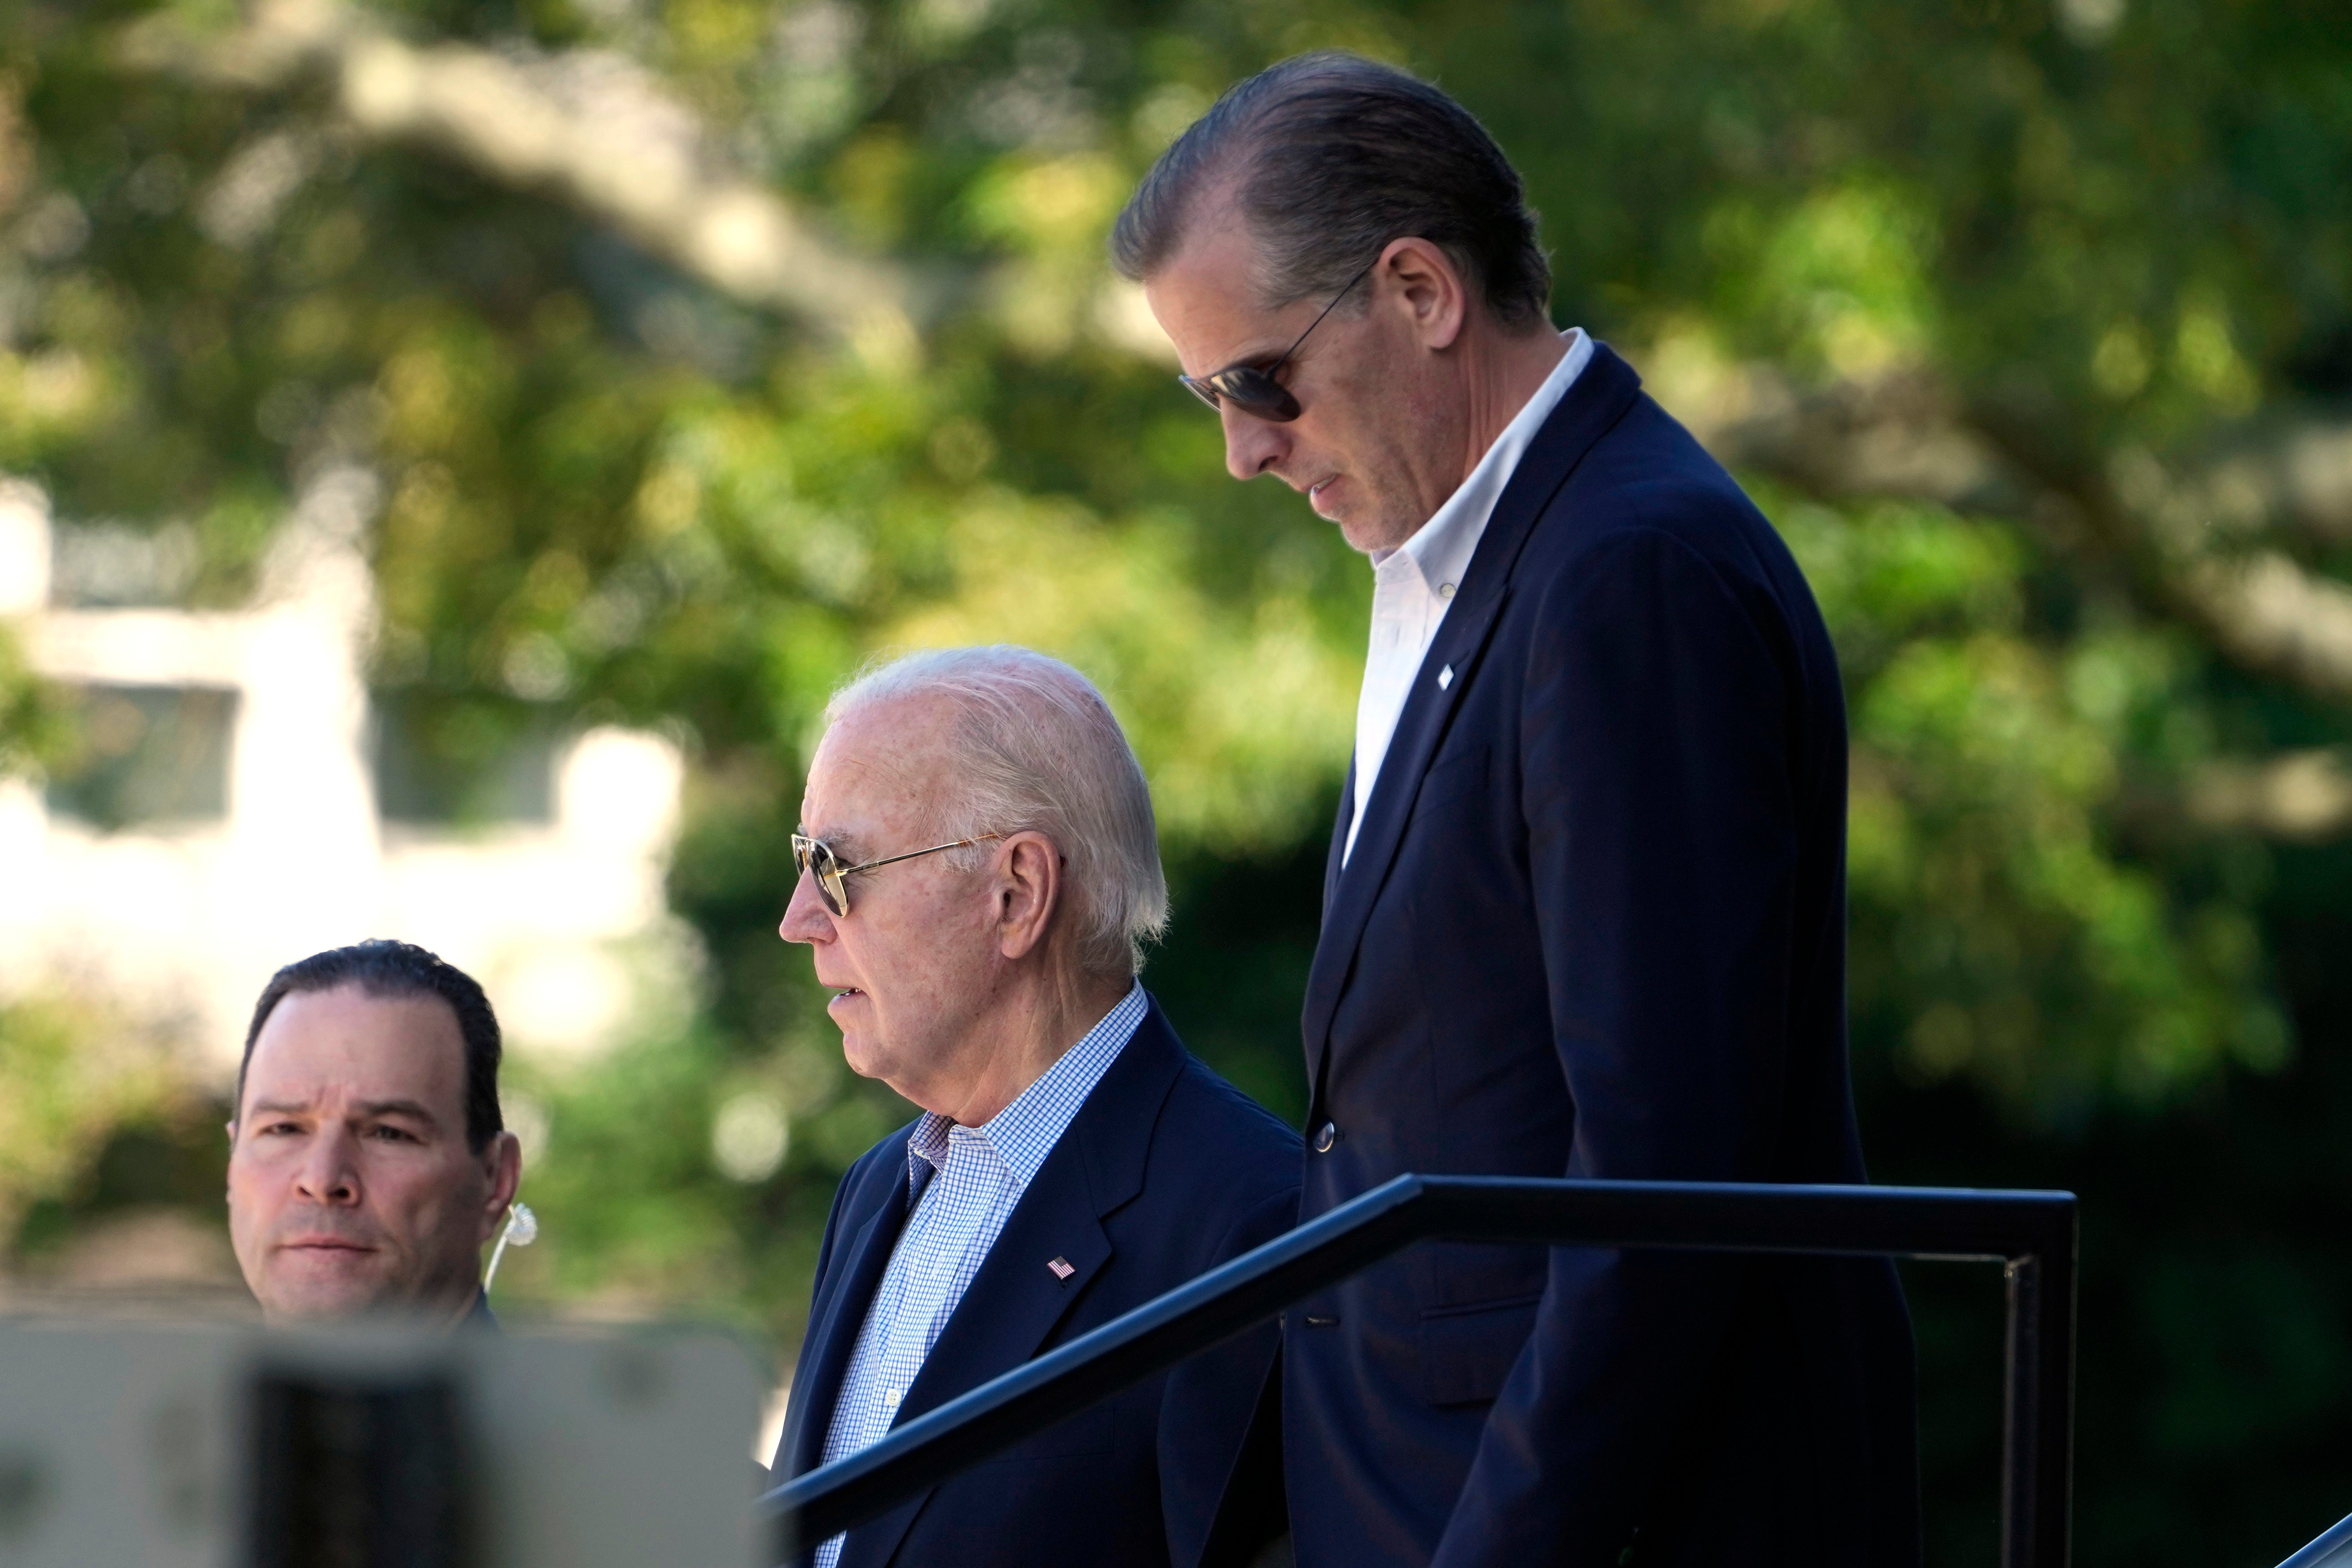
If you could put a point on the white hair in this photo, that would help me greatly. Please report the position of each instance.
(1036, 749)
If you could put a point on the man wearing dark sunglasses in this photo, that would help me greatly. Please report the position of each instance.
(1584, 910)
(979, 872)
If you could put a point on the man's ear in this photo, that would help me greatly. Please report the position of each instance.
(1422, 277)
(1028, 890)
(503, 1162)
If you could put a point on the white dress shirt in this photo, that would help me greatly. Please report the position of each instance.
(1414, 585)
(970, 1179)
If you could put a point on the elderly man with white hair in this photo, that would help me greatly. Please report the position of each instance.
(979, 873)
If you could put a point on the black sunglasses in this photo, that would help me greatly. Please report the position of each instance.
(814, 855)
(1252, 388)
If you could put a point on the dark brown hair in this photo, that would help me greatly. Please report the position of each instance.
(388, 971)
(1333, 156)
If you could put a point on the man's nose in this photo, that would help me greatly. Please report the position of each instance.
(1252, 444)
(805, 917)
(327, 1173)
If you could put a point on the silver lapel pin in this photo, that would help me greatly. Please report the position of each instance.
(1445, 677)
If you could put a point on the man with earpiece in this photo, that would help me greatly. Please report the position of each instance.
(368, 1162)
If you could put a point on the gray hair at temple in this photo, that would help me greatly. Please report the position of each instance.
(1331, 156)
(1036, 749)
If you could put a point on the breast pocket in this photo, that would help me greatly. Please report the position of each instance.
(1467, 1350)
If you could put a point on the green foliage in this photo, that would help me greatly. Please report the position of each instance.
(644, 1205)
(68, 1078)
(34, 730)
(2000, 927)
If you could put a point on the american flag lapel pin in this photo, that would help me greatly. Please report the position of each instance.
(1063, 1267)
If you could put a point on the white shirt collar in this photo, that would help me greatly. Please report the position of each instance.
(1442, 547)
(1414, 585)
(1025, 1131)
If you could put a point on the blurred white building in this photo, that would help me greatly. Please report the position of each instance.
(232, 822)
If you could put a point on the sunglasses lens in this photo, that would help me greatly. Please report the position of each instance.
(812, 856)
(831, 885)
(1257, 393)
(1252, 391)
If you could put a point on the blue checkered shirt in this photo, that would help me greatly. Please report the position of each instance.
(967, 1181)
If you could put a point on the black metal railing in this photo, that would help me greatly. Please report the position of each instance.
(2331, 1549)
(2031, 1234)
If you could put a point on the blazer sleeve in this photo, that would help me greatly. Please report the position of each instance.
(1659, 745)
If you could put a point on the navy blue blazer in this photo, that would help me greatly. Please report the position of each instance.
(1166, 1171)
(1594, 926)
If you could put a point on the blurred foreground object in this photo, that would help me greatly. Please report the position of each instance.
(211, 1446)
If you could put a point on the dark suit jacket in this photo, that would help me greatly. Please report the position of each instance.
(1166, 1171)
(1594, 926)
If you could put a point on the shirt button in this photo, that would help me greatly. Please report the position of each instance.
(1325, 1136)
(890, 1397)
(1446, 590)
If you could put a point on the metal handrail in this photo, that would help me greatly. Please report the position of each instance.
(2031, 1234)
(2331, 1549)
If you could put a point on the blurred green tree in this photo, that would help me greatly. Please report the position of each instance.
(703, 347)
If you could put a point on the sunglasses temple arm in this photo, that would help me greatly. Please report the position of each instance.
(1318, 322)
(911, 854)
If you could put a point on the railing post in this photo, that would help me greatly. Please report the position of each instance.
(2055, 1443)
(2037, 1449)
(2020, 1413)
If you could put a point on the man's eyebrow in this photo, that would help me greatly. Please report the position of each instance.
(415, 1109)
(1253, 358)
(847, 848)
(275, 1107)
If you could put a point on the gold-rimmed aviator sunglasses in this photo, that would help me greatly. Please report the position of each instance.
(815, 856)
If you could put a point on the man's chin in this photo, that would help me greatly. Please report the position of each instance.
(1368, 531)
(857, 1057)
(305, 1288)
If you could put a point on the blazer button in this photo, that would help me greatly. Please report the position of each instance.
(1325, 1136)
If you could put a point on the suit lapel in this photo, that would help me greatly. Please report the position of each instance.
(1015, 1302)
(1599, 397)
(1419, 729)
(833, 1331)
(1346, 814)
